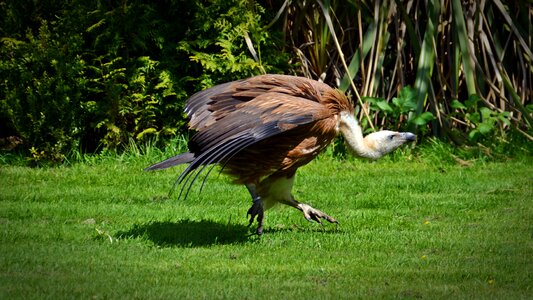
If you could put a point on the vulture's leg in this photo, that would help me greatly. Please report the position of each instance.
(257, 209)
(310, 213)
(278, 188)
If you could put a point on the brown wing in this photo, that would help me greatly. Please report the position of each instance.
(251, 122)
(207, 107)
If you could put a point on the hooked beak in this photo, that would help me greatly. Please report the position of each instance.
(409, 137)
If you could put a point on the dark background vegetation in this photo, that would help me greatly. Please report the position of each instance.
(90, 76)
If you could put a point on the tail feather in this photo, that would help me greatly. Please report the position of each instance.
(183, 158)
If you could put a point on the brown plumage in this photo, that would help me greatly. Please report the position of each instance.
(262, 129)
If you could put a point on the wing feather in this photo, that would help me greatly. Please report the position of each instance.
(208, 106)
(186, 157)
(260, 119)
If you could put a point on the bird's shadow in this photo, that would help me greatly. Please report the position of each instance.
(187, 233)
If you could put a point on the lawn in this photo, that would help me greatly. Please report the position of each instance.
(409, 228)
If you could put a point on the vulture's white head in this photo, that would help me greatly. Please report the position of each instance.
(374, 145)
(382, 142)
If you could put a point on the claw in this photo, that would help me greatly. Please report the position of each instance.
(256, 210)
(313, 214)
(251, 215)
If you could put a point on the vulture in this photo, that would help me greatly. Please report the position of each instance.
(260, 130)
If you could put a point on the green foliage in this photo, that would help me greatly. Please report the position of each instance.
(42, 90)
(75, 84)
(95, 75)
(482, 122)
(133, 104)
(396, 112)
(228, 41)
(131, 95)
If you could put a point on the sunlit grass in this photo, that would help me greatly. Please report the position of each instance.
(409, 228)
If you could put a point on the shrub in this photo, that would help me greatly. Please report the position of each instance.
(41, 91)
(98, 74)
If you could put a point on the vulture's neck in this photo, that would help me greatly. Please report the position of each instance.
(353, 134)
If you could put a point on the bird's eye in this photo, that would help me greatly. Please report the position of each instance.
(391, 137)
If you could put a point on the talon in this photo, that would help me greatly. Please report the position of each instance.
(256, 210)
(251, 214)
(251, 220)
(312, 214)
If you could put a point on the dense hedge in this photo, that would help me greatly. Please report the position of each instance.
(82, 75)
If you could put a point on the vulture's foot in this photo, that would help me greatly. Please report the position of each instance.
(313, 214)
(257, 210)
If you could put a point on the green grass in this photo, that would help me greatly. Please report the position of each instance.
(408, 229)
